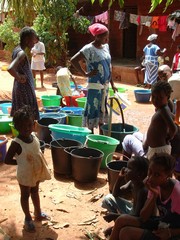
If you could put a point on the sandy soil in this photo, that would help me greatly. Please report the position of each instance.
(75, 208)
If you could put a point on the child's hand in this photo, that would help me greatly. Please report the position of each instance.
(21, 78)
(162, 233)
(153, 189)
(122, 172)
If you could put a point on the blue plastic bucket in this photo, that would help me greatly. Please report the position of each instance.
(3, 143)
(142, 96)
(74, 110)
(61, 117)
(6, 107)
(70, 132)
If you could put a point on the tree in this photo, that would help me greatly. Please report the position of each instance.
(51, 20)
(154, 3)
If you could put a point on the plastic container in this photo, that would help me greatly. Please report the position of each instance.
(86, 164)
(118, 132)
(120, 90)
(70, 132)
(51, 109)
(61, 156)
(3, 147)
(81, 102)
(42, 129)
(142, 96)
(61, 117)
(75, 120)
(51, 100)
(6, 107)
(71, 100)
(73, 110)
(5, 120)
(14, 131)
(103, 143)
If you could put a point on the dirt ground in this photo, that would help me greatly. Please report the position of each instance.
(74, 208)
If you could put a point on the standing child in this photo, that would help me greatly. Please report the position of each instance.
(23, 88)
(25, 152)
(161, 129)
(116, 203)
(38, 59)
(163, 194)
(176, 61)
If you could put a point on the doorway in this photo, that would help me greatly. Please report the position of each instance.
(130, 36)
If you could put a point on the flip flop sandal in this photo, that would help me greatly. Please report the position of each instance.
(29, 226)
(43, 217)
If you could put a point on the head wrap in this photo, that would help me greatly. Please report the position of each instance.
(152, 37)
(97, 28)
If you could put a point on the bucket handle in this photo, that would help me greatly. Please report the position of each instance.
(106, 159)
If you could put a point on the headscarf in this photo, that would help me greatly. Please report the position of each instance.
(152, 37)
(97, 29)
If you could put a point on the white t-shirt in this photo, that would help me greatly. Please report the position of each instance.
(38, 48)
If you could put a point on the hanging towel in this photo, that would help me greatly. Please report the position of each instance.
(162, 22)
(103, 17)
(133, 19)
(154, 23)
(124, 22)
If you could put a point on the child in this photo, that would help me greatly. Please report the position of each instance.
(23, 89)
(161, 129)
(134, 175)
(176, 61)
(25, 152)
(64, 77)
(164, 193)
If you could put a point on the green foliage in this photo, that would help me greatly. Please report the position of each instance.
(52, 23)
(8, 35)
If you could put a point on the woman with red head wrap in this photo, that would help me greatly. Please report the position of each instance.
(98, 71)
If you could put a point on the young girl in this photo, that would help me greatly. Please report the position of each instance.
(164, 193)
(31, 165)
(116, 203)
(23, 89)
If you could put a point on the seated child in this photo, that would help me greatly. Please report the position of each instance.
(134, 175)
(161, 129)
(164, 195)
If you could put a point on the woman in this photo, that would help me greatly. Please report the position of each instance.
(23, 89)
(151, 53)
(98, 62)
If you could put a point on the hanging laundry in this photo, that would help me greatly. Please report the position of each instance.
(154, 23)
(124, 22)
(176, 32)
(118, 15)
(103, 17)
(162, 23)
(146, 20)
(133, 19)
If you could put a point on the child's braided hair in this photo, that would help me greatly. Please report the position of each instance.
(162, 86)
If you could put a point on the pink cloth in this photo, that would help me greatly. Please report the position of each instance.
(103, 17)
(97, 29)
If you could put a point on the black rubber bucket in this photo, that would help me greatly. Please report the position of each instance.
(60, 151)
(114, 168)
(43, 131)
(86, 163)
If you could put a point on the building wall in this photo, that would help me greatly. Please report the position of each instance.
(77, 41)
